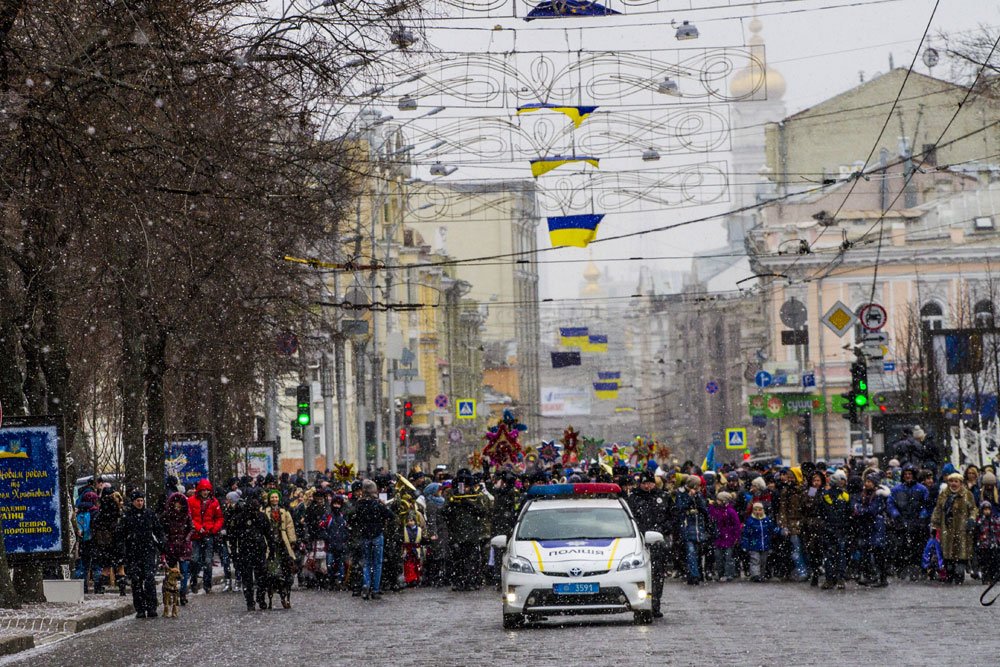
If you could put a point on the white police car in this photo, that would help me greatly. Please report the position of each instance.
(576, 549)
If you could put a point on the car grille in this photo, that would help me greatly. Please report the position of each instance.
(592, 573)
(548, 598)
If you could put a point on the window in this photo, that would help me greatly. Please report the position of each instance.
(593, 523)
(932, 316)
(983, 313)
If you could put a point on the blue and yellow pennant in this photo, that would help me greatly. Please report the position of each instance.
(577, 114)
(574, 230)
(573, 336)
(610, 376)
(596, 343)
(544, 165)
(606, 391)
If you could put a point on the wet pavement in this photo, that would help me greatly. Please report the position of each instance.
(715, 624)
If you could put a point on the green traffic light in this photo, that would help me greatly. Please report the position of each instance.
(304, 419)
(861, 400)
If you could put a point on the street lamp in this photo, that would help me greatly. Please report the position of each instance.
(650, 155)
(407, 103)
(668, 87)
(685, 31)
(439, 169)
(404, 38)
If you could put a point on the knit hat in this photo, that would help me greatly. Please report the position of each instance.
(693, 482)
(135, 495)
(986, 503)
(989, 479)
(724, 497)
(233, 496)
(759, 483)
(893, 463)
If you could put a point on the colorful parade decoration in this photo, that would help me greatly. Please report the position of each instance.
(475, 460)
(592, 448)
(343, 471)
(570, 447)
(503, 447)
(548, 452)
(643, 451)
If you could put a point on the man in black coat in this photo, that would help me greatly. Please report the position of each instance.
(651, 511)
(142, 539)
(250, 538)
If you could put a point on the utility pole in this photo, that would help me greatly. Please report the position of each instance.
(326, 389)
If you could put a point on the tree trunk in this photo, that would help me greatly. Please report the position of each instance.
(156, 361)
(28, 583)
(11, 379)
(9, 599)
(132, 388)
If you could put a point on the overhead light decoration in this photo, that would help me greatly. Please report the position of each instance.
(668, 87)
(439, 169)
(404, 38)
(686, 31)
(650, 155)
(407, 103)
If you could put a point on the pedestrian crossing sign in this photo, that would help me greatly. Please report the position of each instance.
(465, 408)
(736, 438)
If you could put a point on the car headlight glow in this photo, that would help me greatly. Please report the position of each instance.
(632, 562)
(518, 564)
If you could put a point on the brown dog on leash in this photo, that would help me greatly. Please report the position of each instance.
(171, 592)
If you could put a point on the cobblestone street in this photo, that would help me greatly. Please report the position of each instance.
(731, 624)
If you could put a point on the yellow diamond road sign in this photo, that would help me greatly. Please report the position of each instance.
(839, 319)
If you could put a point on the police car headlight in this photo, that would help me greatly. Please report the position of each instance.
(518, 564)
(632, 562)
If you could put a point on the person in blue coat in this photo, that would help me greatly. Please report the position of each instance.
(909, 513)
(758, 532)
(870, 509)
(692, 512)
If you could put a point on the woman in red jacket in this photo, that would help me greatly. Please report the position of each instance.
(206, 517)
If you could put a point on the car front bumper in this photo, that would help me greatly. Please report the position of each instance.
(533, 594)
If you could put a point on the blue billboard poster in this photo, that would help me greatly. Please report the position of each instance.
(186, 458)
(33, 511)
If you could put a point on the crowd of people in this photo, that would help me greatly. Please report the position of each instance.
(811, 523)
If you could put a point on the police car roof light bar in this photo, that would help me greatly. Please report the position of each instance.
(563, 490)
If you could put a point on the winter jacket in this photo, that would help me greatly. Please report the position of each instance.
(952, 516)
(280, 522)
(988, 532)
(335, 532)
(103, 527)
(692, 511)
(178, 529)
(465, 517)
(788, 508)
(908, 505)
(649, 510)
(869, 510)
(249, 533)
(141, 536)
(765, 498)
(758, 534)
(727, 526)
(370, 517)
(206, 514)
(835, 510)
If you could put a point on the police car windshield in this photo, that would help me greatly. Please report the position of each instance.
(591, 523)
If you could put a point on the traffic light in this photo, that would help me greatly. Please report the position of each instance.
(303, 400)
(402, 437)
(407, 413)
(296, 430)
(859, 384)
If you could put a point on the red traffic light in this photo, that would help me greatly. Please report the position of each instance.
(746, 456)
(408, 409)
(402, 436)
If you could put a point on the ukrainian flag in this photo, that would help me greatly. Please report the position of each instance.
(610, 376)
(544, 165)
(606, 391)
(575, 114)
(573, 336)
(574, 230)
(596, 344)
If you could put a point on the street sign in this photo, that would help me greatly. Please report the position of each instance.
(793, 313)
(407, 357)
(762, 379)
(465, 408)
(404, 373)
(441, 401)
(839, 319)
(808, 379)
(712, 387)
(873, 317)
(888, 366)
(455, 435)
(874, 337)
(736, 438)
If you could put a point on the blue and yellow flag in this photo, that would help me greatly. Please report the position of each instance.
(544, 165)
(553, 9)
(595, 344)
(574, 230)
(610, 376)
(606, 391)
(573, 336)
(575, 113)
(709, 462)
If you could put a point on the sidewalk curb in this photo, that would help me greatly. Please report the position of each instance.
(16, 643)
(99, 618)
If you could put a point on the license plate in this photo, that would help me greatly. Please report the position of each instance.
(576, 589)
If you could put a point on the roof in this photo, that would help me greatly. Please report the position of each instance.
(543, 503)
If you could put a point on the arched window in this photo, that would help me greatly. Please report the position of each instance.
(983, 312)
(932, 315)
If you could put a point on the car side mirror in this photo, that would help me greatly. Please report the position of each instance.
(500, 542)
(652, 537)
